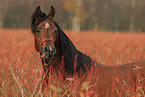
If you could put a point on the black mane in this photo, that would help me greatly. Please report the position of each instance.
(69, 51)
(67, 48)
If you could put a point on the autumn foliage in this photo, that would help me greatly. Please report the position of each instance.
(21, 70)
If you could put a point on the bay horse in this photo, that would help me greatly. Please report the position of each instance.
(54, 46)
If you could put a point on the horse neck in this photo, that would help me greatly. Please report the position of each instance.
(57, 57)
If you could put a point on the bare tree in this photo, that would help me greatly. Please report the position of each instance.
(3, 9)
(76, 15)
(132, 16)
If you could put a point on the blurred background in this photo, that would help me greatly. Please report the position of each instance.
(77, 15)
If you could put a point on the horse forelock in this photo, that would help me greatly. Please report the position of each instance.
(35, 20)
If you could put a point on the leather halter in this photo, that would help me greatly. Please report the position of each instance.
(36, 24)
(48, 39)
(45, 65)
(40, 43)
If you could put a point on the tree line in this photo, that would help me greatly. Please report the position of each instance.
(76, 15)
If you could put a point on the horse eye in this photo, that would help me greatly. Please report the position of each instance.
(38, 30)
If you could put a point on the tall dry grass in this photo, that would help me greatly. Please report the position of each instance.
(20, 65)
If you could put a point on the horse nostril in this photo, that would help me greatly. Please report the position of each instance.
(46, 50)
(49, 50)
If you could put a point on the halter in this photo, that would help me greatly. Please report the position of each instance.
(36, 24)
(45, 65)
(49, 39)
(40, 43)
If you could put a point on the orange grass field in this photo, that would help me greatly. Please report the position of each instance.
(21, 70)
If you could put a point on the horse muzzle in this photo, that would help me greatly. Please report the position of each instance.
(49, 52)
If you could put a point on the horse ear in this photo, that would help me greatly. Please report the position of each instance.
(51, 13)
(38, 12)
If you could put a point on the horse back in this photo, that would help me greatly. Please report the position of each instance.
(120, 80)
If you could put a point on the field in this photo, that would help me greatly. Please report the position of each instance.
(20, 65)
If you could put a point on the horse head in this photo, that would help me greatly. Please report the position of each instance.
(45, 32)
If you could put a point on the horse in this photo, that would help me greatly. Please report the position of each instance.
(57, 51)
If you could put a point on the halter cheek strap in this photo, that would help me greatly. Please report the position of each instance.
(49, 39)
(40, 43)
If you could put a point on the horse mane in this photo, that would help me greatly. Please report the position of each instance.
(67, 48)
(69, 51)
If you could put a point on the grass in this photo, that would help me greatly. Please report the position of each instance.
(20, 65)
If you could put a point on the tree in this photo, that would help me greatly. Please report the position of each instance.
(74, 9)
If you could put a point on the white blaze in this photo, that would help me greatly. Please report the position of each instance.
(47, 25)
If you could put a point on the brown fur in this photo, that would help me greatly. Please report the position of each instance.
(112, 80)
(120, 80)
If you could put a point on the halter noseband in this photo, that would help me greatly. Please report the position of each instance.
(36, 24)
(40, 43)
